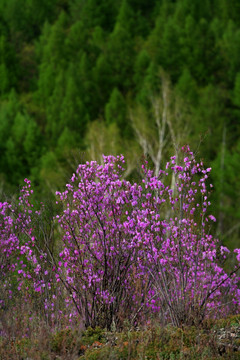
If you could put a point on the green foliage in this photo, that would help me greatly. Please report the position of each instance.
(226, 170)
(121, 56)
(236, 91)
(50, 172)
(116, 111)
(187, 87)
(67, 64)
(8, 65)
(95, 12)
(165, 343)
(91, 335)
(140, 67)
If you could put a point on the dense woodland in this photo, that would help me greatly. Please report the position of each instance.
(79, 78)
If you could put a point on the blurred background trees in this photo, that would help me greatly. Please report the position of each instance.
(80, 78)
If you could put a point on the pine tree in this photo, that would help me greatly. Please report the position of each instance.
(4, 79)
(53, 126)
(8, 110)
(116, 112)
(77, 39)
(95, 13)
(8, 66)
(187, 87)
(141, 64)
(73, 113)
(230, 46)
(52, 53)
(22, 147)
(102, 77)
(121, 52)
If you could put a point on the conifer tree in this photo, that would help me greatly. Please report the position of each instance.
(121, 53)
(8, 66)
(51, 51)
(73, 114)
(53, 126)
(116, 112)
(140, 67)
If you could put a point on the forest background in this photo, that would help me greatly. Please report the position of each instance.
(79, 78)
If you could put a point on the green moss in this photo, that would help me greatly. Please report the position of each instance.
(91, 335)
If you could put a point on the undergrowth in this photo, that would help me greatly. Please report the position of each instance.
(213, 340)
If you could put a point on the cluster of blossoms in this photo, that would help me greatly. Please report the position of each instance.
(128, 250)
(181, 256)
(8, 245)
(100, 251)
(24, 262)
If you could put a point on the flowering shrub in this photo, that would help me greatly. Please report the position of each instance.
(181, 257)
(26, 262)
(8, 245)
(126, 250)
(99, 260)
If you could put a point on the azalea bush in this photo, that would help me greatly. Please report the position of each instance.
(8, 245)
(27, 281)
(181, 257)
(125, 251)
(100, 257)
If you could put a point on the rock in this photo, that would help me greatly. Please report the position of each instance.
(228, 339)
